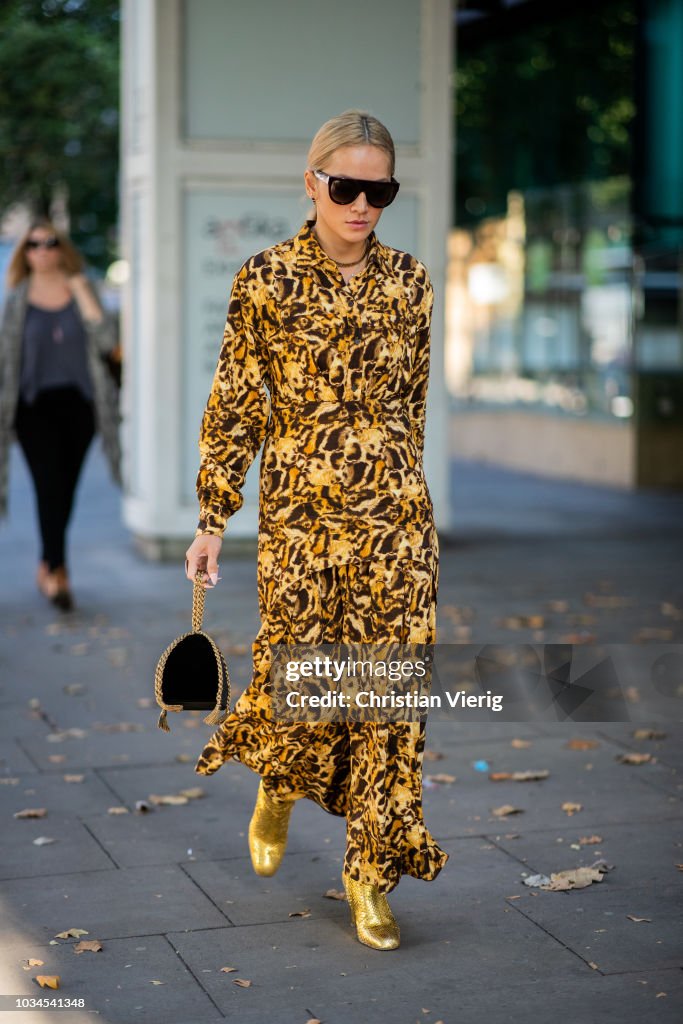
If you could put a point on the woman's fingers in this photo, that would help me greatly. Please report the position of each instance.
(202, 556)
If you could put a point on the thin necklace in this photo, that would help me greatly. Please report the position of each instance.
(353, 262)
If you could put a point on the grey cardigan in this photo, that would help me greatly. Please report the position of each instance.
(101, 339)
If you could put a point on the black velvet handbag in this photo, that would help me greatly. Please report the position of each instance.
(191, 674)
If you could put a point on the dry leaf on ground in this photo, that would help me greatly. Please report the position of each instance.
(73, 778)
(88, 946)
(168, 800)
(528, 776)
(117, 810)
(569, 808)
(242, 982)
(442, 778)
(48, 980)
(638, 919)
(300, 913)
(648, 734)
(28, 964)
(505, 809)
(579, 744)
(44, 841)
(520, 744)
(335, 894)
(635, 758)
(573, 878)
(590, 840)
(71, 933)
(433, 755)
(31, 812)
(228, 970)
(193, 793)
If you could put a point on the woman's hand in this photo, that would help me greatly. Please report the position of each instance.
(83, 294)
(202, 556)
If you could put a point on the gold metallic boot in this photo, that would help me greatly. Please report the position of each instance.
(371, 914)
(268, 832)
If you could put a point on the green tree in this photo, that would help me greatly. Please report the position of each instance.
(59, 85)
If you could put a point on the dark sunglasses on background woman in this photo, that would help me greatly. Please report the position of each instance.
(42, 243)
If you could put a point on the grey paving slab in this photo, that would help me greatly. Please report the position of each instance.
(114, 904)
(102, 750)
(594, 923)
(60, 797)
(18, 720)
(73, 849)
(13, 759)
(118, 981)
(643, 858)
(313, 958)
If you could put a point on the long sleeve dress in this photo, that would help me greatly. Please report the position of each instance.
(331, 377)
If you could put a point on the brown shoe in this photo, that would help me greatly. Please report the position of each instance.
(62, 597)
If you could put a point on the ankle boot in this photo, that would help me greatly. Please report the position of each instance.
(371, 914)
(268, 832)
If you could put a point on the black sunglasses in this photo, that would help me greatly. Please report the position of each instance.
(42, 243)
(344, 190)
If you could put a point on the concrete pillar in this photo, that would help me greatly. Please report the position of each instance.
(220, 101)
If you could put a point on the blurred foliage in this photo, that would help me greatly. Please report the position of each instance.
(552, 104)
(59, 120)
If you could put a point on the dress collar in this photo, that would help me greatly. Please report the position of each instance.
(310, 253)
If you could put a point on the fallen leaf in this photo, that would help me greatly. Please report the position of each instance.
(242, 982)
(72, 933)
(520, 744)
(505, 809)
(433, 755)
(635, 758)
(117, 810)
(590, 840)
(569, 808)
(638, 919)
(335, 894)
(170, 800)
(155, 982)
(300, 913)
(28, 964)
(442, 778)
(31, 812)
(228, 970)
(573, 878)
(74, 689)
(48, 980)
(522, 622)
(313, 1020)
(44, 841)
(56, 758)
(183, 758)
(88, 945)
(528, 776)
(592, 963)
(193, 793)
(648, 734)
(74, 778)
(578, 744)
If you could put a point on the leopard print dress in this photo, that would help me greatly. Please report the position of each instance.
(331, 378)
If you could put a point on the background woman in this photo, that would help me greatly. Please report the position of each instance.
(336, 326)
(55, 389)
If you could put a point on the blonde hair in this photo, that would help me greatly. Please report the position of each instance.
(352, 128)
(18, 268)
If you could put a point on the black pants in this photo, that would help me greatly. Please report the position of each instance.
(55, 433)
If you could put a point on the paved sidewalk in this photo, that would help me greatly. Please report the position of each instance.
(171, 895)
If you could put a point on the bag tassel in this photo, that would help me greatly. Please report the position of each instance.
(163, 721)
(216, 717)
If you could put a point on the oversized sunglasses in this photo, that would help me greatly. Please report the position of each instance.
(344, 190)
(42, 243)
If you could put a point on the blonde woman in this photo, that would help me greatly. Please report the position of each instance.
(336, 326)
(55, 390)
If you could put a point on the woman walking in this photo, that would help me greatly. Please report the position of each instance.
(55, 390)
(336, 326)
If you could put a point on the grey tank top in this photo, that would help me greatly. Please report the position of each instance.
(54, 352)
